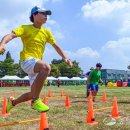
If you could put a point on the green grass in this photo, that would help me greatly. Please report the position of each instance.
(73, 118)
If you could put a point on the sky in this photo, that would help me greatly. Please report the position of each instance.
(89, 31)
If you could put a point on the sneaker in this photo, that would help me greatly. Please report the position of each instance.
(9, 104)
(39, 106)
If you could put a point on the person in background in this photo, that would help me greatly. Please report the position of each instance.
(58, 82)
(45, 83)
(93, 80)
(34, 38)
(106, 81)
(87, 87)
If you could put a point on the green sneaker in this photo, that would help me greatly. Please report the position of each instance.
(9, 105)
(39, 106)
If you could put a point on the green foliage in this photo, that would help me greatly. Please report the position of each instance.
(7, 67)
(55, 61)
(60, 68)
(55, 72)
(19, 72)
(8, 55)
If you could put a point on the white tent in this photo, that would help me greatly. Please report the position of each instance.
(63, 78)
(85, 78)
(25, 78)
(76, 78)
(51, 78)
(8, 77)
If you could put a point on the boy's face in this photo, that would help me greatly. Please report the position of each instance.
(41, 17)
(98, 68)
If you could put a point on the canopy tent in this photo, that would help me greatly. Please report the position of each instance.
(63, 78)
(76, 78)
(8, 77)
(25, 78)
(51, 78)
(84, 78)
(10, 80)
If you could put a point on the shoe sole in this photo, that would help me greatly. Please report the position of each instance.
(40, 111)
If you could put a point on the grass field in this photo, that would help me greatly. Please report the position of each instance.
(73, 118)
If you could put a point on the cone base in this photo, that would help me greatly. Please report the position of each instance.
(92, 123)
(4, 115)
(68, 107)
(115, 117)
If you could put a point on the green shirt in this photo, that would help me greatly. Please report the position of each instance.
(95, 75)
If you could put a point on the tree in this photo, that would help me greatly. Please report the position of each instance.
(19, 72)
(7, 67)
(55, 61)
(8, 55)
(55, 72)
(64, 69)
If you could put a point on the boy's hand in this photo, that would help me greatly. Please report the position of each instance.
(2, 50)
(68, 61)
(101, 83)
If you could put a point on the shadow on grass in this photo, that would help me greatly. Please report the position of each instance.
(78, 97)
(78, 101)
(123, 102)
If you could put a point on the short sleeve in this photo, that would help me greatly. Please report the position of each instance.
(91, 74)
(19, 31)
(51, 38)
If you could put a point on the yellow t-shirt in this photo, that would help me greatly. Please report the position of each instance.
(34, 41)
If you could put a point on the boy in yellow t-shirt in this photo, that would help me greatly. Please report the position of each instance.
(34, 38)
(45, 83)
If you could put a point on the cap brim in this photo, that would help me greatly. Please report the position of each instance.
(47, 12)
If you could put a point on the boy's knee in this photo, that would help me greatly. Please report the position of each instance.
(46, 68)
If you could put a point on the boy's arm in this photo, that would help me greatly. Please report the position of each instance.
(62, 54)
(88, 80)
(89, 77)
(100, 81)
(5, 40)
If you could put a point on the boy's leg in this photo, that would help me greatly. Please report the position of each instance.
(43, 70)
(87, 90)
(95, 92)
(93, 89)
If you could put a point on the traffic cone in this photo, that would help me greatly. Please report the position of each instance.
(4, 113)
(43, 122)
(115, 113)
(67, 101)
(49, 93)
(90, 117)
(44, 99)
(61, 94)
(104, 99)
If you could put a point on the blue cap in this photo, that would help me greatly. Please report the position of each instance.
(37, 9)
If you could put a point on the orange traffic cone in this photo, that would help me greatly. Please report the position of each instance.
(67, 101)
(104, 98)
(61, 94)
(115, 113)
(4, 113)
(44, 99)
(49, 93)
(44, 122)
(90, 117)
